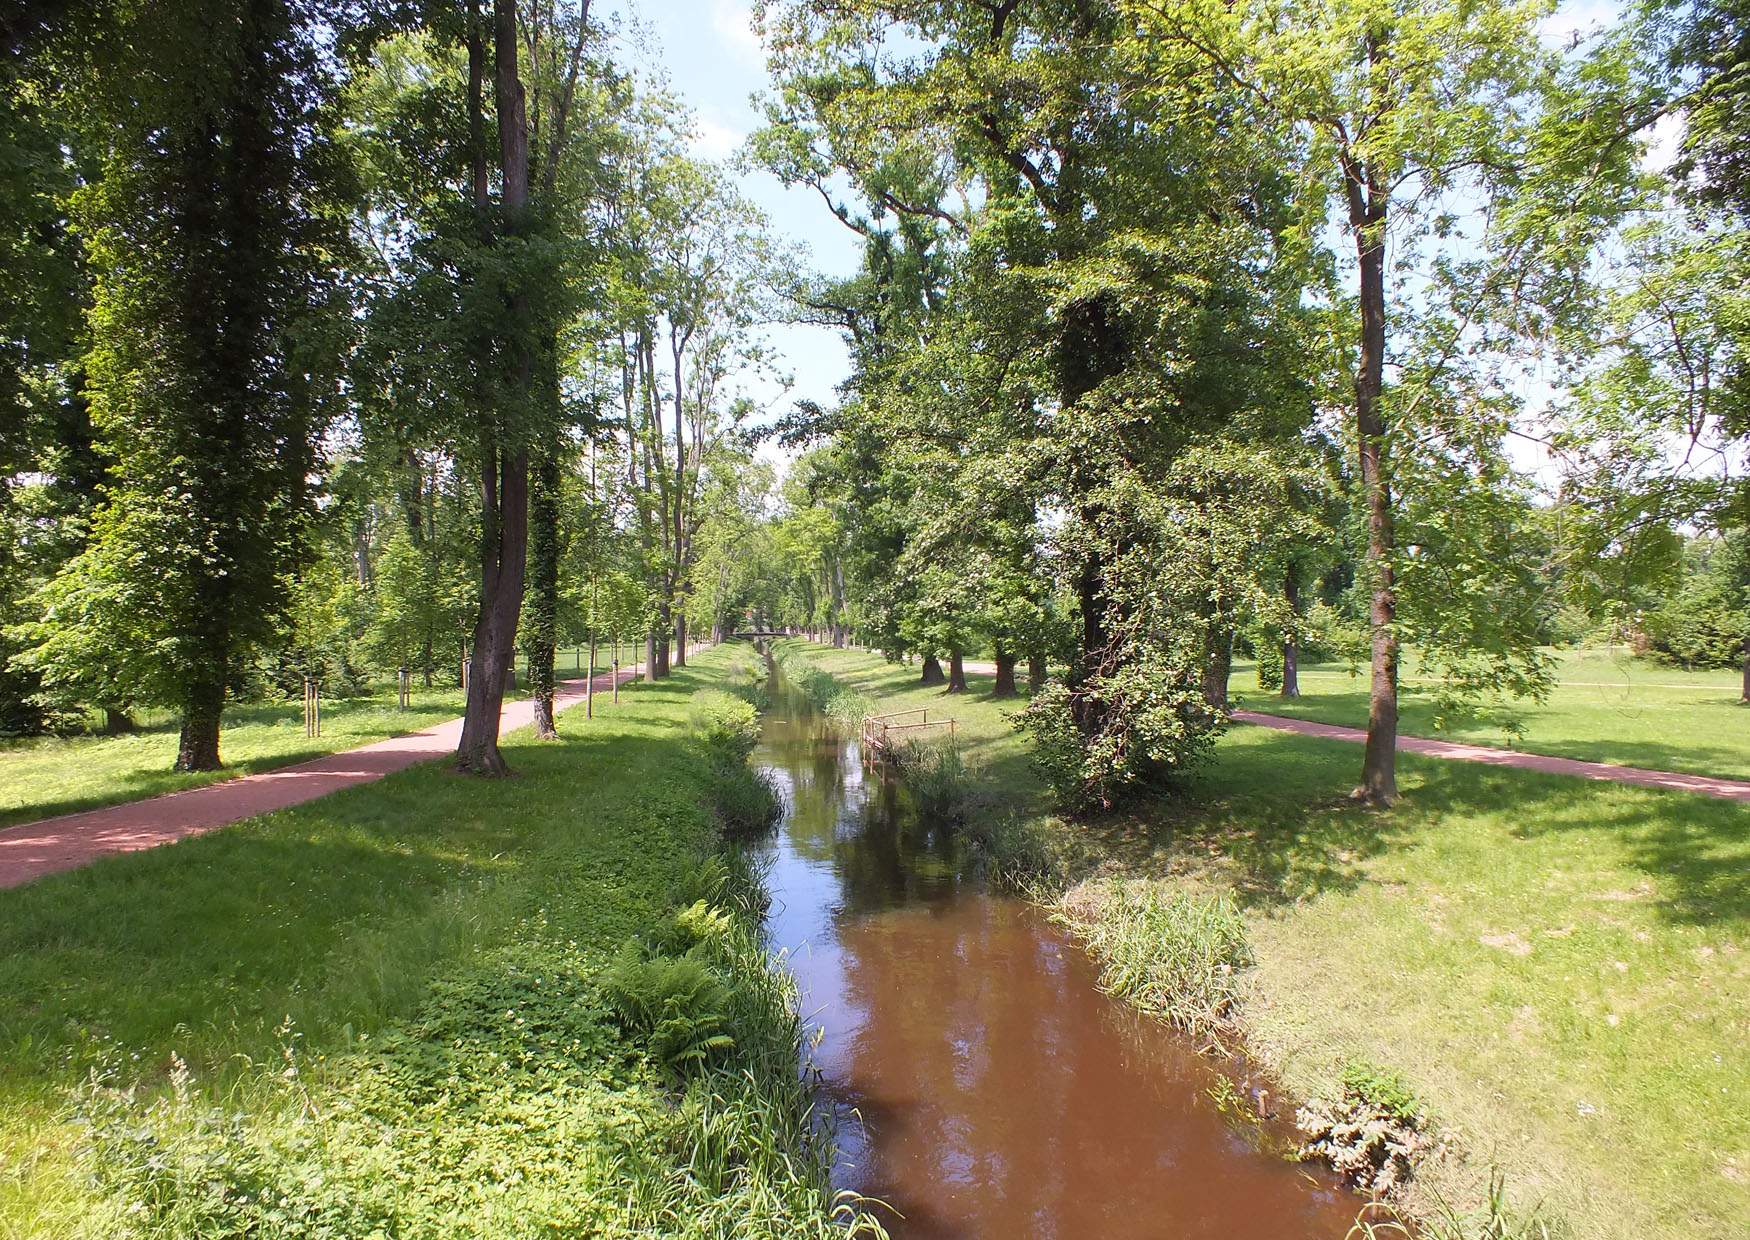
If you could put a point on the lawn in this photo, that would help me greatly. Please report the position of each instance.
(1559, 968)
(44, 776)
(1606, 707)
(394, 990)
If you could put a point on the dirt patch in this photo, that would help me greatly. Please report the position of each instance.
(1508, 942)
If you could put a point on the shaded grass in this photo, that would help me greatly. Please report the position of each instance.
(45, 776)
(1605, 708)
(1559, 969)
(425, 950)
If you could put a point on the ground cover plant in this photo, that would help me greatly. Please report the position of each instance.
(1553, 968)
(1604, 706)
(387, 1011)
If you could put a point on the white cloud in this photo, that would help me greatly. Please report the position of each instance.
(732, 20)
(715, 140)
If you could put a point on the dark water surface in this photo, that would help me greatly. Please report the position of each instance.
(985, 1087)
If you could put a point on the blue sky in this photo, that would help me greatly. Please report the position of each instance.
(709, 55)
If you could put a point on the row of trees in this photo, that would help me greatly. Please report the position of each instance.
(1174, 314)
(350, 339)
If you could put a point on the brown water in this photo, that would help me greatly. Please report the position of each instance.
(983, 1085)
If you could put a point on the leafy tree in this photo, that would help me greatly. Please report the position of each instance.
(212, 240)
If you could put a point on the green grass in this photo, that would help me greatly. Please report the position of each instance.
(45, 776)
(389, 1008)
(1606, 707)
(1558, 969)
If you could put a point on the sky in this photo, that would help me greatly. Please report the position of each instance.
(711, 57)
(709, 54)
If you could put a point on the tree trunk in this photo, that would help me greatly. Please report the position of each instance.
(1005, 685)
(118, 721)
(505, 518)
(1218, 661)
(1379, 784)
(1291, 646)
(956, 672)
(1746, 698)
(680, 639)
(541, 626)
(933, 671)
(1036, 671)
(204, 706)
(504, 475)
(659, 670)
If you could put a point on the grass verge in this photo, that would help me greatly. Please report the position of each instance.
(1605, 707)
(1557, 969)
(388, 1012)
(44, 776)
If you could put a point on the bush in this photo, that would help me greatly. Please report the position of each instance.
(1149, 722)
(1270, 665)
(1015, 853)
(729, 727)
(1327, 636)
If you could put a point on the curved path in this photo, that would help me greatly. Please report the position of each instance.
(1707, 785)
(51, 845)
(1674, 781)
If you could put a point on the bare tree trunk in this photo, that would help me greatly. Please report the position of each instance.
(680, 639)
(1291, 646)
(956, 672)
(504, 474)
(1005, 685)
(542, 622)
(1367, 208)
(1746, 698)
(1037, 671)
(933, 671)
(118, 721)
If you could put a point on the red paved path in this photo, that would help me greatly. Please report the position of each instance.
(50, 845)
(1707, 785)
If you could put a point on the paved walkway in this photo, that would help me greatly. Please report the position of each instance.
(51, 845)
(1707, 785)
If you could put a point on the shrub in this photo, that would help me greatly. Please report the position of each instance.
(729, 727)
(676, 1006)
(1147, 722)
(1270, 664)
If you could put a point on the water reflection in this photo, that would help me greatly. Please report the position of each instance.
(994, 1091)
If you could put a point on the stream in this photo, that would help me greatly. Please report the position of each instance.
(982, 1084)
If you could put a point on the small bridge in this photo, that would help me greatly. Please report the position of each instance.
(882, 732)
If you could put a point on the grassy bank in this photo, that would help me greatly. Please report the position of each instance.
(1605, 707)
(1556, 969)
(44, 776)
(432, 1006)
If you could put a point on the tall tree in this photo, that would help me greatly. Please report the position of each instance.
(211, 236)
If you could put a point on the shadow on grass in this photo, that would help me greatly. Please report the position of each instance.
(1276, 811)
(204, 946)
(1417, 719)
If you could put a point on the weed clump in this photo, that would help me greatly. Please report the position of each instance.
(1372, 1134)
(935, 776)
(1172, 953)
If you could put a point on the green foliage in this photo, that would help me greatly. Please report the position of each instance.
(727, 726)
(1382, 1089)
(934, 774)
(1173, 953)
(1706, 622)
(836, 701)
(675, 1005)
